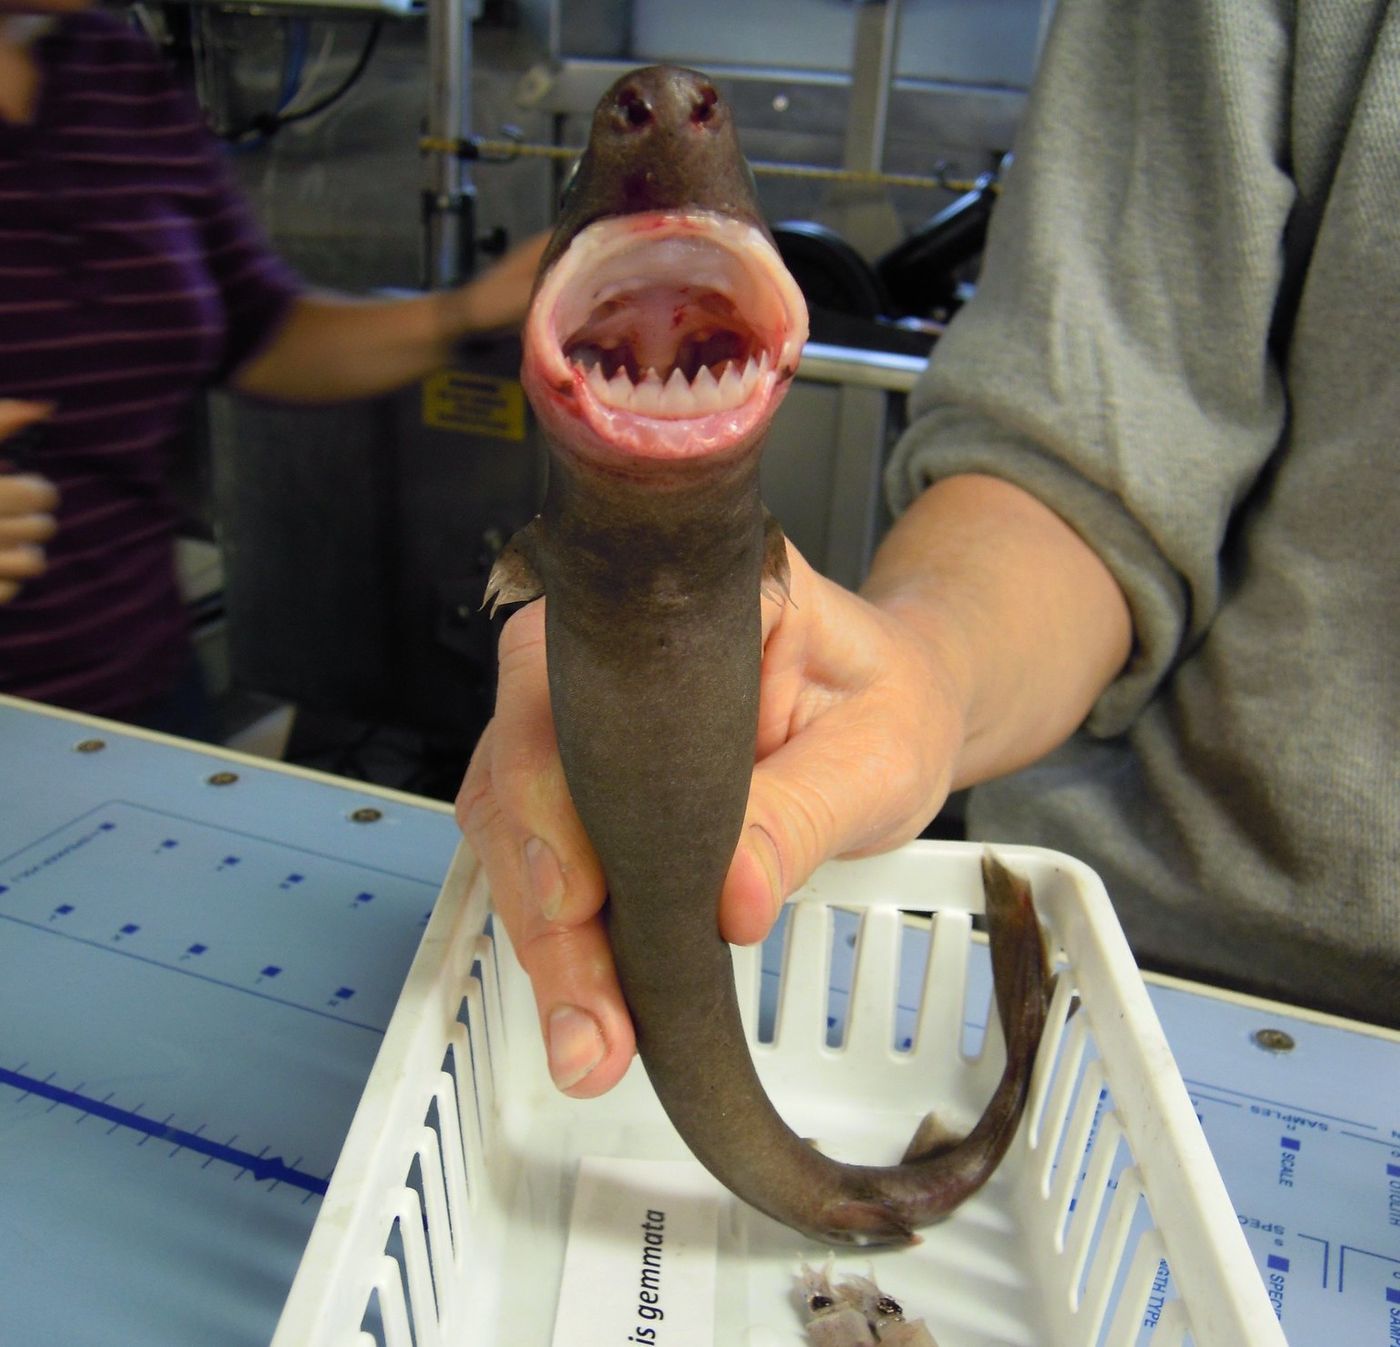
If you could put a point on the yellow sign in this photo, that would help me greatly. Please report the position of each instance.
(475, 404)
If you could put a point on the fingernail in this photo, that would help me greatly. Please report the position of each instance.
(575, 1045)
(545, 877)
(765, 851)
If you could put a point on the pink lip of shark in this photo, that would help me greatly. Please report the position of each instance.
(663, 336)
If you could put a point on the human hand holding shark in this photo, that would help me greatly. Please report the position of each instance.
(851, 762)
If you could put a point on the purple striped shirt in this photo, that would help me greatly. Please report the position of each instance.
(131, 276)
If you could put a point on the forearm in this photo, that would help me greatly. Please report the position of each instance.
(330, 348)
(1024, 616)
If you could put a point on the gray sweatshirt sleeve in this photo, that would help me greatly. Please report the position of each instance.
(1116, 359)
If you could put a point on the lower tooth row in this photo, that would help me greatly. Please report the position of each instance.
(677, 396)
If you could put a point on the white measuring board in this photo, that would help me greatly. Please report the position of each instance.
(1307, 1140)
(194, 981)
(1308, 1143)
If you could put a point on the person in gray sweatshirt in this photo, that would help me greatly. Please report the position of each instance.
(1187, 344)
(1141, 592)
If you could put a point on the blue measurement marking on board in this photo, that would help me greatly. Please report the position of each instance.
(1303, 1139)
(192, 991)
(261, 1165)
(181, 887)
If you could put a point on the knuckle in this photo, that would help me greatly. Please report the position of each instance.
(807, 831)
(19, 529)
(42, 494)
(476, 806)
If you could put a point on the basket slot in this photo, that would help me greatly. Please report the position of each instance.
(945, 987)
(1149, 1261)
(871, 1012)
(1084, 1219)
(408, 1211)
(800, 1024)
(1107, 1256)
(449, 1124)
(438, 1229)
(484, 990)
(748, 982)
(1061, 1001)
(469, 1126)
(473, 1015)
(487, 968)
(1087, 1105)
(393, 1310)
(1067, 1066)
(985, 1069)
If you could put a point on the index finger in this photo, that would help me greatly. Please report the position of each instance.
(17, 416)
(27, 495)
(546, 882)
(16, 413)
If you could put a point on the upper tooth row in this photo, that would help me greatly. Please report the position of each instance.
(678, 396)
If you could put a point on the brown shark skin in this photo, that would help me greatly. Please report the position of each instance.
(653, 572)
(661, 139)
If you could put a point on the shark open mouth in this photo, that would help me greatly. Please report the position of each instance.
(665, 335)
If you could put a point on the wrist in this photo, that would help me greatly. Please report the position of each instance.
(936, 643)
(454, 316)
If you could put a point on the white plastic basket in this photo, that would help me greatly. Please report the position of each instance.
(446, 1218)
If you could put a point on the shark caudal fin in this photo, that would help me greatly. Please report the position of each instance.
(943, 1169)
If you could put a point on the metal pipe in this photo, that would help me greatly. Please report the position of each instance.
(872, 75)
(852, 367)
(861, 212)
(448, 194)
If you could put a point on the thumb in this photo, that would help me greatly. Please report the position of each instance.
(866, 772)
(831, 791)
(806, 805)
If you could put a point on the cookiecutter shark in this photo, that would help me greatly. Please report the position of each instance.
(662, 335)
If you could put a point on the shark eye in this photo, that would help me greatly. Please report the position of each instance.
(889, 1305)
(817, 1301)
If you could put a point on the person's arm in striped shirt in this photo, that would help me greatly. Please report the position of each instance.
(331, 347)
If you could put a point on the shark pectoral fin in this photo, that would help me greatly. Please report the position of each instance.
(776, 574)
(513, 578)
(931, 1138)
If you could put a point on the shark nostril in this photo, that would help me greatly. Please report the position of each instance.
(633, 110)
(707, 103)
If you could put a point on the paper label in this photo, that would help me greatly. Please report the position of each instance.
(639, 1269)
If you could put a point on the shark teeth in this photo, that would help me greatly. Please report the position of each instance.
(676, 398)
